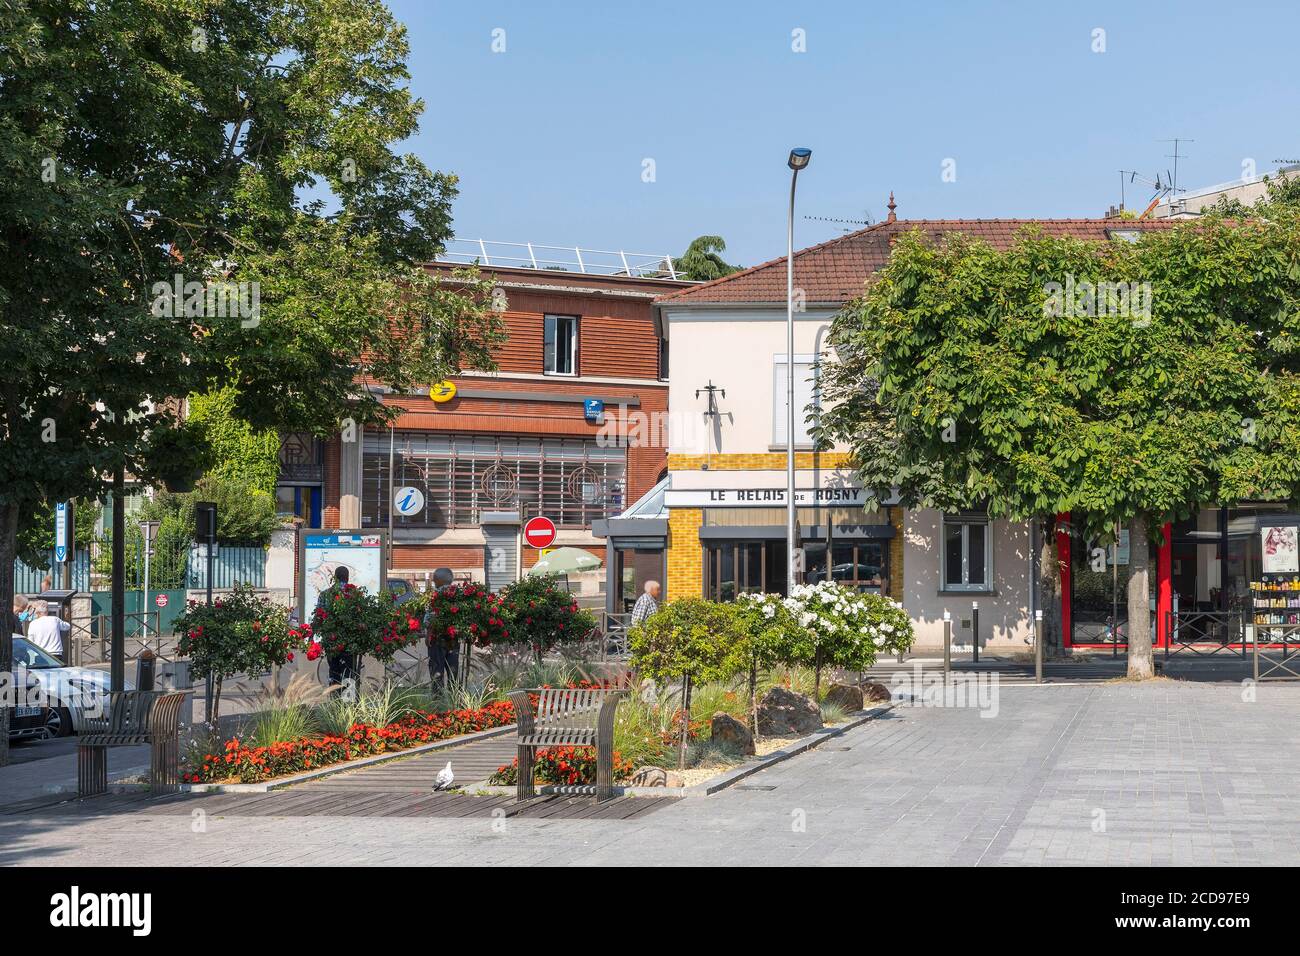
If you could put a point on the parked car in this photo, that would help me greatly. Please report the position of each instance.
(402, 590)
(26, 721)
(67, 695)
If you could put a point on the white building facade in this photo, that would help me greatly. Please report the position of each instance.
(725, 498)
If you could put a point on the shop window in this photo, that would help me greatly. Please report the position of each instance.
(739, 567)
(1099, 575)
(560, 345)
(571, 480)
(967, 553)
(858, 564)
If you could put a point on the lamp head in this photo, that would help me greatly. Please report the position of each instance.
(800, 157)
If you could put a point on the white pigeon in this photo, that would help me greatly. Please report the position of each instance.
(444, 778)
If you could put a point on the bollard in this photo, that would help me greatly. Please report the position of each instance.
(975, 631)
(947, 645)
(144, 670)
(1038, 646)
(1253, 636)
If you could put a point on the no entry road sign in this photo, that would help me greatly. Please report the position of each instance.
(539, 532)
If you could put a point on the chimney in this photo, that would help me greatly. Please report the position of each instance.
(892, 206)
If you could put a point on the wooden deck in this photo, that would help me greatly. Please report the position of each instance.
(307, 802)
(399, 788)
(471, 763)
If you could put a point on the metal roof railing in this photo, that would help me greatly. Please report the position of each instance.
(529, 255)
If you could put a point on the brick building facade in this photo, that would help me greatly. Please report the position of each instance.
(520, 441)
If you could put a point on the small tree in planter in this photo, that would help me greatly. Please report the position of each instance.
(844, 628)
(693, 639)
(771, 636)
(468, 613)
(240, 632)
(542, 614)
(350, 621)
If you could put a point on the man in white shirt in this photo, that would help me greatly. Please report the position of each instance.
(46, 630)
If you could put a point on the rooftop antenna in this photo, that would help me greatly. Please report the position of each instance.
(848, 222)
(1175, 156)
(1161, 189)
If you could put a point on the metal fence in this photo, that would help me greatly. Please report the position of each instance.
(27, 580)
(89, 643)
(1279, 656)
(1203, 633)
(230, 566)
(531, 255)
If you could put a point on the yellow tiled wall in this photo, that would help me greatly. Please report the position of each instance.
(762, 461)
(685, 555)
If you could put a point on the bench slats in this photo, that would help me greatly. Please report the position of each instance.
(566, 717)
(134, 717)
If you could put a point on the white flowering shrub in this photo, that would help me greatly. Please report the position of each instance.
(771, 629)
(842, 627)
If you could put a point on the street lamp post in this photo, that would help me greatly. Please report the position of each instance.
(799, 159)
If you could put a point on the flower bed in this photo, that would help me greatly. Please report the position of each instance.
(563, 765)
(244, 764)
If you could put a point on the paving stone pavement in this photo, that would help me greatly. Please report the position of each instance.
(1102, 774)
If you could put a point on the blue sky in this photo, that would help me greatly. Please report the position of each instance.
(549, 136)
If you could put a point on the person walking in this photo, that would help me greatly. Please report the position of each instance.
(646, 604)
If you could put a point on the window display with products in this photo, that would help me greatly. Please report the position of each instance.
(1275, 602)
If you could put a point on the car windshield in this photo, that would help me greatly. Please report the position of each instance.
(27, 654)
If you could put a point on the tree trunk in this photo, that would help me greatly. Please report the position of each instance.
(1141, 660)
(1049, 589)
(753, 697)
(817, 676)
(8, 549)
(686, 720)
(216, 707)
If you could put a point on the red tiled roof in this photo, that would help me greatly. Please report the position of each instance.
(835, 271)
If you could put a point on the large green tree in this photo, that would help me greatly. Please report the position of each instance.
(240, 147)
(1038, 380)
(703, 260)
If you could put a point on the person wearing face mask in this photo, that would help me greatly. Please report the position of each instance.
(20, 614)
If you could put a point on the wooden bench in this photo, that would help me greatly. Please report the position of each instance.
(566, 717)
(134, 717)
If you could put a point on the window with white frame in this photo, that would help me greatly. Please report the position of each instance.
(967, 552)
(805, 393)
(560, 345)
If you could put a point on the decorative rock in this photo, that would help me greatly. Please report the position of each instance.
(649, 777)
(874, 693)
(655, 777)
(845, 696)
(783, 713)
(731, 732)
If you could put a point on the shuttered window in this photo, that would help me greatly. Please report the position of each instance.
(805, 370)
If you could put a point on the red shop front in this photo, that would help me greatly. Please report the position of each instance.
(1203, 569)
